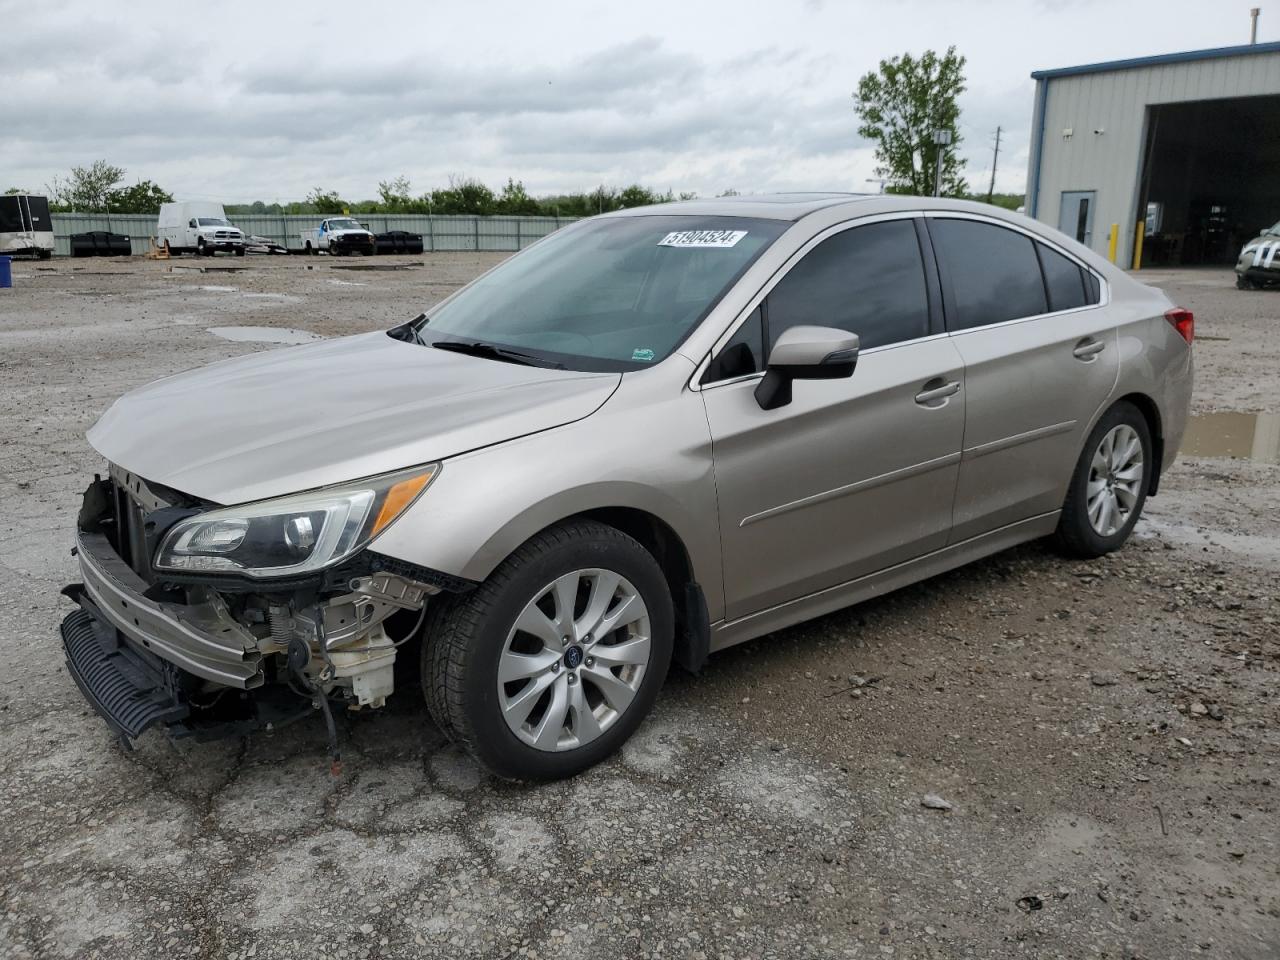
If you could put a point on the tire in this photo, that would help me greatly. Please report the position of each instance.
(468, 637)
(1243, 282)
(1087, 533)
(239, 251)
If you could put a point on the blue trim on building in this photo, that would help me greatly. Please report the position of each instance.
(1189, 56)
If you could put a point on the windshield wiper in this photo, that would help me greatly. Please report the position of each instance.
(478, 348)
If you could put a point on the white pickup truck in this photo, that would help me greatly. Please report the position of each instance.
(339, 236)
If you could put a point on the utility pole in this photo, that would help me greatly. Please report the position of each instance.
(995, 159)
(1253, 27)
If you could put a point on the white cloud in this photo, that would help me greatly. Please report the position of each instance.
(246, 100)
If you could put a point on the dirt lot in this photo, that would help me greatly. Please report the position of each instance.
(1108, 733)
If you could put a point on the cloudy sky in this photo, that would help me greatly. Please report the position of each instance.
(238, 101)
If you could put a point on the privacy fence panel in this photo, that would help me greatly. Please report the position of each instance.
(438, 232)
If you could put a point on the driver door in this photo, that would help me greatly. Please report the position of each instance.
(854, 475)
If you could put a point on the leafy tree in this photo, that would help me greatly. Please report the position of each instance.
(393, 195)
(86, 189)
(514, 200)
(143, 197)
(326, 202)
(900, 105)
(13, 190)
(1009, 201)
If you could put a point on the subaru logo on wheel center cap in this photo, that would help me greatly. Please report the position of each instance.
(573, 657)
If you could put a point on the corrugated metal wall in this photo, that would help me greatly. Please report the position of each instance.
(438, 233)
(1115, 102)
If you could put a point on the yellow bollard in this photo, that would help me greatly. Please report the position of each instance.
(1111, 242)
(1137, 244)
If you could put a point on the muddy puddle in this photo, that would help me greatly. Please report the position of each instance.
(264, 334)
(1246, 436)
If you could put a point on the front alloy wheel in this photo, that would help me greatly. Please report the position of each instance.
(551, 663)
(574, 660)
(1115, 478)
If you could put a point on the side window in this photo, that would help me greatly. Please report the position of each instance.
(1063, 278)
(743, 354)
(868, 280)
(992, 272)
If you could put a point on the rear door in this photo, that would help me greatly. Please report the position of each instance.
(853, 475)
(1040, 355)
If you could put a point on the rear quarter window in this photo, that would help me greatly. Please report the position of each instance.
(991, 274)
(1064, 280)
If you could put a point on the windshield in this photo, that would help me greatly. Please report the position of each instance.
(612, 294)
(344, 225)
(212, 222)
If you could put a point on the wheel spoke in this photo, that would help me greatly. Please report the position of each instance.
(603, 587)
(616, 693)
(518, 666)
(1094, 488)
(622, 654)
(1095, 509)
(536, 623)
(547, 734)
(1125, 496)
(1108, 511)
(518, 708)
(565, 590)
(585, 725)
(626, 613)
(1130, 474)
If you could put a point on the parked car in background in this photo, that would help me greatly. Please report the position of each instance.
(338, 236)
(1259, 261)
(198, 226)
(26, 229)
(650, 436)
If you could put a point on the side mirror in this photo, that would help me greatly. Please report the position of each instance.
(191, 223)
(806, 353)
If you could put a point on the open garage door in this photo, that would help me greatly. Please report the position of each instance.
(1209, 179)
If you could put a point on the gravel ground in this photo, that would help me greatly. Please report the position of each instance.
(1105, 734)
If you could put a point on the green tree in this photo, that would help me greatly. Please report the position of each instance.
(143, 197)
(13, 190)
(900, 106)
(515, 201)
(394, 195)
(86, 189)
(326, 202)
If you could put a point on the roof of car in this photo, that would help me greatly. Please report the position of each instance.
(794, 206)
(765, 206)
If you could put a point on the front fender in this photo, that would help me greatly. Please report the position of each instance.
(652, 457)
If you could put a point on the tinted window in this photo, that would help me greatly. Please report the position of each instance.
(10, 218)
(743, 354)
(1092, 287)
(867, 280)
(993, 273)
(1063, 279)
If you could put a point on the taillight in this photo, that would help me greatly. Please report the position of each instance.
(1182, 320)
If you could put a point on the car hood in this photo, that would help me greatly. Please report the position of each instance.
(298, 418)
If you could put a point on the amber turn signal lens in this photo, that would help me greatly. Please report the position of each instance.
(399, 497)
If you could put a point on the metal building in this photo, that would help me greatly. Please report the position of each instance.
(1172, 159)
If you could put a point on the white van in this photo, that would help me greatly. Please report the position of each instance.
(198, 226)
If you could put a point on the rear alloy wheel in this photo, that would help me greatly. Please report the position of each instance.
(552, 663)
(1109, 486)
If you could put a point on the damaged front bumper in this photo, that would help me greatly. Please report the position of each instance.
(210, 656)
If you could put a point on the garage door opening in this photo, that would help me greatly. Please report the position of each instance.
(1208, 181)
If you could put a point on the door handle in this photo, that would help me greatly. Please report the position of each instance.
(1088, 348)
(943, 390)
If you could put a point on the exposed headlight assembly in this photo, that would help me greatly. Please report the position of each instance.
(293, 535)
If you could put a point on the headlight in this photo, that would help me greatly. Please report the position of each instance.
(291, 535)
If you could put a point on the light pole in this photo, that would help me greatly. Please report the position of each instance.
(878, 180)
(941, 138)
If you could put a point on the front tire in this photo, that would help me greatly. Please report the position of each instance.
(552, 663)
(1109, 485)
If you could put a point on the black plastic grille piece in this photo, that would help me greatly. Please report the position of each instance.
(117, 683)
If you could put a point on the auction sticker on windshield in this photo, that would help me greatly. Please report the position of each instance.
(702, 238)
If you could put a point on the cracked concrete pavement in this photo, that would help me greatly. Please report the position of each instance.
(1106, 732)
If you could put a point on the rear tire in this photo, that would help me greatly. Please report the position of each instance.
(1109, 486)
(584, 698)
